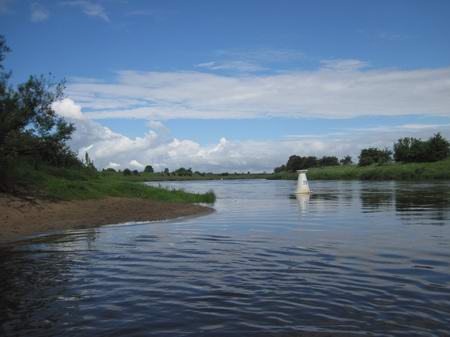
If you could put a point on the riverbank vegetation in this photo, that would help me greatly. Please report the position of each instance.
(83, 183)
(439, 170)
(35, 160)
(410, 159)
(393, 171)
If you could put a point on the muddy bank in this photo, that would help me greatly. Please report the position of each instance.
(20, 218)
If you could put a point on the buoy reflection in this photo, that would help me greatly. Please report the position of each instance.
(303, 201)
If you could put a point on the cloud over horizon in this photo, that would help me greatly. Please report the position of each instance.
(338, 89)
(159, 149)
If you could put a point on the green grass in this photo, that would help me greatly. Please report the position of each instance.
(84, 184)
(415, 171)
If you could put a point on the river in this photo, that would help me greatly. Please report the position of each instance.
(354, 258)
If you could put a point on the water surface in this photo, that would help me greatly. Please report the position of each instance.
(366, 258)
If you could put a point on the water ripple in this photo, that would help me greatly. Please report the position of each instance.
(354, 259)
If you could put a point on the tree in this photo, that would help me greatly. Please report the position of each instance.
(183, 172)
(299, 163)
(278, 169)
(410, 149)
(148, 169)
(415, 150)
(328, 161)
(402, 149)
(373, 155)
(166, 171)
(347, 160)
(294, 163)
(308, 162)
(126, 172)
(88, 161)
(30, 130)
(438, 148)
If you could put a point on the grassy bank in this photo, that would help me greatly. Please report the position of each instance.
(84, 184)
(414, 171)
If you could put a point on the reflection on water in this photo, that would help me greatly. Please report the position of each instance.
(428, 203)
(303, 201)
(370, 258)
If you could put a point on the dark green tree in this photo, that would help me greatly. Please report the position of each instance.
(88, 161)
(410, 150)
(294, 163)
(299, 163)
(328, 161)
(183, 172)
(347, 160)
(438, 148)
(148, 169)
(278, 169)
(29, 127)
(373, 155)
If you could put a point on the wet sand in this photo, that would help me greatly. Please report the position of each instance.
(19, 218)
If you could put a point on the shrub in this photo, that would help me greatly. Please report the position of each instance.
(148, 169)
(410, 150)
(347, 160)
(373, 155)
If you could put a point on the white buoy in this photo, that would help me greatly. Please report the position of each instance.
(302, 183)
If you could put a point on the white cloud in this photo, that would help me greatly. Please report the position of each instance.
(344, 65)
(89, 8)
(242, 66)
(67, 108)
(342, 89)
(135, 164)
(249, 60)
(38, 12)
(159, 127)
(110, 149)
(112, 165)
(425, 126)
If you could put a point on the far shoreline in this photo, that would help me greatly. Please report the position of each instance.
(23, 218)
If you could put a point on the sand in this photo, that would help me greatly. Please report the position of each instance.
(20, 218)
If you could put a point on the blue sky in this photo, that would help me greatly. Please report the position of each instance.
(217, 84)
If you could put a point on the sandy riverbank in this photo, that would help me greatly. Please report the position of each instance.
(20, 218)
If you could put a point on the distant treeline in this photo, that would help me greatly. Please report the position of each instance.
(405, 150)
(300, 163)
(181, 172)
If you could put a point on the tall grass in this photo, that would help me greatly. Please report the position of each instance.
(84, 184)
